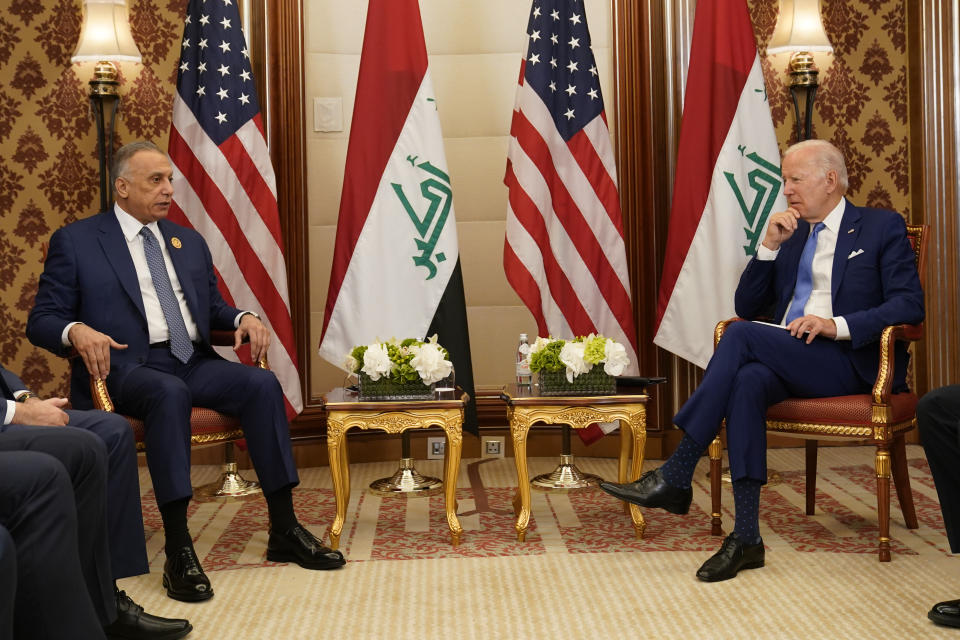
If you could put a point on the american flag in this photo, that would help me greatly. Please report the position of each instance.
(564, 252)
(227, 189)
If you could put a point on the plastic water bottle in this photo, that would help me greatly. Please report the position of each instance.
(524, 377)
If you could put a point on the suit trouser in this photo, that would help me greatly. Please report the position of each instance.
(8, 582)
(53, 501)
(756, 366)
(938, 420)
(163, 392)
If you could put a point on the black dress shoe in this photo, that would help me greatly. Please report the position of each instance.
(651, 490)
(133, 623)
(300, 546)
(946, 613)
(183, 577)
(733, 556)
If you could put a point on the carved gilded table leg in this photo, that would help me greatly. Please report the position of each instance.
(335, 447)
(451, 465)
(519, 428)
(638, 427)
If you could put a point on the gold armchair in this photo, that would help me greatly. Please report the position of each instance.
(880, 417)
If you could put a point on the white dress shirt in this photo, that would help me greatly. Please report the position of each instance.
(11, 407)
(820, 302)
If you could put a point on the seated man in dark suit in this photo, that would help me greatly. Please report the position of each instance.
(938, 419)
(56, 579)
(136, 296)
(834, 275)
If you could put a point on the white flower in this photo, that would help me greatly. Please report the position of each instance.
(430, 363)
(615, 358)
(572, 355)
(376, 361)
(538, 344)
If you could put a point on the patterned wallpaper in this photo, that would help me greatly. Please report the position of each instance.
(48, 165)
(48, 160)
(861, 104)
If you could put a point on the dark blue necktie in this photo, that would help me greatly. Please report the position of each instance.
(801, 293)
(180, 345)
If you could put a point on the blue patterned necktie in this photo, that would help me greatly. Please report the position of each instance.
(180, 344)
(801, 293)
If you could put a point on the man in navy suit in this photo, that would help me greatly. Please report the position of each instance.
(136, 296)
(938, 420)
(833, 275)
(70, 523)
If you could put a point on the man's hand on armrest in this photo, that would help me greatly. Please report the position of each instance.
(251, 327)
(94, 347)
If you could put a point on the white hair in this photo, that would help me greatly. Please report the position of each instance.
(826, 157)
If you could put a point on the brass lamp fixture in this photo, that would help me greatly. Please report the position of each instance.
(800, 30)
(105, 39)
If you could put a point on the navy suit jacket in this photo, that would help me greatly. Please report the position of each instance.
(874, 284)
(9, 382)
(89, 277)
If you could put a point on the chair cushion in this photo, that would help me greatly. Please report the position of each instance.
(841, 410)
(206, 427)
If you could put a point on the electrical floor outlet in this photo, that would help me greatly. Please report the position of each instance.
(436, 447)
(492, 447)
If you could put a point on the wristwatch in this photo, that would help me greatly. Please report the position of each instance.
(23, 397)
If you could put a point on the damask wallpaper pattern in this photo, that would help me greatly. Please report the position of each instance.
(48, 160)
(48, 165)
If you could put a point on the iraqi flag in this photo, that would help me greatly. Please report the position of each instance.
(727, 181)
(396, 263)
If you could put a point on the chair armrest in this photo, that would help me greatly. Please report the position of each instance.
(883, 386)
(720, 328)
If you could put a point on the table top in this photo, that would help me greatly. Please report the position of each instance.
(520, 395)
(342, 399)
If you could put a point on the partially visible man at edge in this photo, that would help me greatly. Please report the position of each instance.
(833, 275)
(136, 295)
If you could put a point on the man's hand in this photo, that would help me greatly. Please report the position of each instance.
(41, 413)
(813, 326)
(258, 333)
(94, 347)
(781, 228)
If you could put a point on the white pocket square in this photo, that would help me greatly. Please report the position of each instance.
(854, 254)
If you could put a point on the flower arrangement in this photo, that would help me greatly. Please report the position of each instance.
(578, 356)
(403, 362)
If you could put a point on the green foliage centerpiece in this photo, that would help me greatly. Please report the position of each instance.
(399, 370)
(571, 367)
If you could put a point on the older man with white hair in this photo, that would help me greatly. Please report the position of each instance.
(833, 275)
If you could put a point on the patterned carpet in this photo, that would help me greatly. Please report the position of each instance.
(399, 548)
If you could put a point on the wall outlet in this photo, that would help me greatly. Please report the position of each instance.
(436, 448)
(492, 447)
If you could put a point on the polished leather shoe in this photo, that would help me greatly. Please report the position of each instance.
(183, 577)
(946, 613)
(651, 490)
(733, 556)
(133, 623)
(302, 547)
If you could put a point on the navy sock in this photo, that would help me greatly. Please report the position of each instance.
(678, 469)
(280, 508)
(746, 500)
(175, 531)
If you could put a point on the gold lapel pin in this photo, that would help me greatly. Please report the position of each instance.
(175, 241)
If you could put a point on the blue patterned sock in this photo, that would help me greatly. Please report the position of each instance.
(678, 469)
(746, 500)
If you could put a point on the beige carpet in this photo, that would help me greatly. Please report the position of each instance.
(579, 575)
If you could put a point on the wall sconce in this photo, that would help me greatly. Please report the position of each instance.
(105, 38)
(800, 30)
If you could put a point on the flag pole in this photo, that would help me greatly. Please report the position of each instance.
(566, 476)
(406, 479)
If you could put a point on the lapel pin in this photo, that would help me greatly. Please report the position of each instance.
(175, 241)
(851, 230)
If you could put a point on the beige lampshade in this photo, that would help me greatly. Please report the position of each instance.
(799, 28)
(105, 34)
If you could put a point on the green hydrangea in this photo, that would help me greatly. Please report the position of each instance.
(548, 358)
(593, 351)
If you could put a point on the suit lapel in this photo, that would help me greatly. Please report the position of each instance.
(850, 227)
(118, 255)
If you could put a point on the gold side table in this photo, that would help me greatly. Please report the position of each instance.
(526, 407)
(345, 410)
